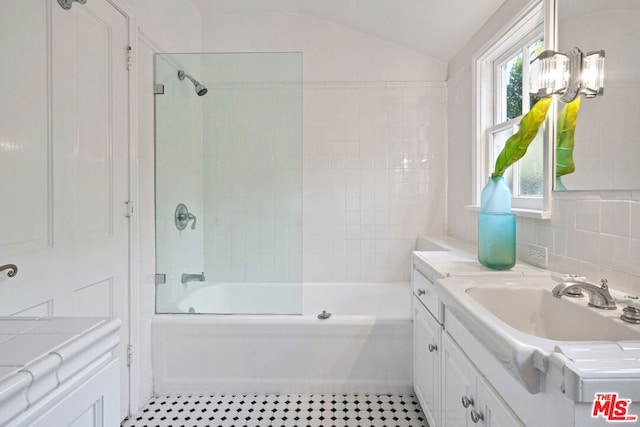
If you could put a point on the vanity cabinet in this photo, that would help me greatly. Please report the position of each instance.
(426, 361)
(467, 399)
(450, 389)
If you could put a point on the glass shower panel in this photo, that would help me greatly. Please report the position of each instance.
(229, 183)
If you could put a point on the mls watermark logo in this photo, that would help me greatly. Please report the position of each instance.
(611, 408)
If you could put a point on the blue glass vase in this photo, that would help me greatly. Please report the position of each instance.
(496, 227)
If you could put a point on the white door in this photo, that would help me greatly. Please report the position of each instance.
(64, 163)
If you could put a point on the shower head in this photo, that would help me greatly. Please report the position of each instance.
(200, 88)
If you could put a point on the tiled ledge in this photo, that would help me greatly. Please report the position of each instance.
(37, 355)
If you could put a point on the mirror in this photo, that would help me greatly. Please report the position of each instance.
(607, 136)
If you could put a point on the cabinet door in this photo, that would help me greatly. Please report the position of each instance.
(458, 384)
(494, 410)
(426, 362)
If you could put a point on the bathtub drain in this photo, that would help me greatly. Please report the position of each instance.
(324, 315)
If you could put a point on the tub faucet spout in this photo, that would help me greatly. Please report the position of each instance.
(599, 296)
(186, 277)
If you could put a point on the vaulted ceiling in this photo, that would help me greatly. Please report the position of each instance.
(437, 28)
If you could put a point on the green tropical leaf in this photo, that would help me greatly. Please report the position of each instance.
(565, 139)
(516, 146)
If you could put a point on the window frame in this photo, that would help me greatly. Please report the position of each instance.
(520, 30)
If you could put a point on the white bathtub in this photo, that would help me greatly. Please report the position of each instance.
(365, 347)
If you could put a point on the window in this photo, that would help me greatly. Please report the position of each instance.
(502, 73)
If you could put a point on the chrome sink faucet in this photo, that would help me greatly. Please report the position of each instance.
(599, 296)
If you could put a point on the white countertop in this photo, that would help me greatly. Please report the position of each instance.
(39, 354)
(446, 257)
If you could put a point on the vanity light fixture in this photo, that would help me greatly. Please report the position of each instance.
(568, 74)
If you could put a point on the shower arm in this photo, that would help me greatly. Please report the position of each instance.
(182, 75)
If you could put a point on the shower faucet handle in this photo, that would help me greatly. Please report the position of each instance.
(190, 217)
(182, 217)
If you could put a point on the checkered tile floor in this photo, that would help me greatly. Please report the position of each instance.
(295, 410)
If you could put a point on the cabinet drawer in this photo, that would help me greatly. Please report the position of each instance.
(425, 291)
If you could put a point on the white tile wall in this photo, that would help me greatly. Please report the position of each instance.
(374, 177)
(599, 243)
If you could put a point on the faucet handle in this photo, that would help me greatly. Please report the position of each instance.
(630, 301)
(604, 284)
(190, 217)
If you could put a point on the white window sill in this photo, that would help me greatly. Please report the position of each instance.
(524, 213)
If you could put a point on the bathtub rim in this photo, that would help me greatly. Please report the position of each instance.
(272, 319)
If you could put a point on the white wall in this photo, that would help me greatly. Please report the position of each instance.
(331, 52)
(595, 234)
(172, 26)
(163, 27)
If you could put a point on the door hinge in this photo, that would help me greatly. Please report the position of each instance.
(129, 58)
(129, 354)
(128, 208)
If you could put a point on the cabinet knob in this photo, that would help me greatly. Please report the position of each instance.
(476, 416)
(432, 348)
(467, 401)
(421, 292)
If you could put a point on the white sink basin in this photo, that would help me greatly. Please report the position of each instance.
(535, 311)
(523, 325)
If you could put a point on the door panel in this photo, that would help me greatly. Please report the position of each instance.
(65, 172)
(25, 158)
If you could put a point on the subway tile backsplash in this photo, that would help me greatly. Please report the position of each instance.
(593, 234)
